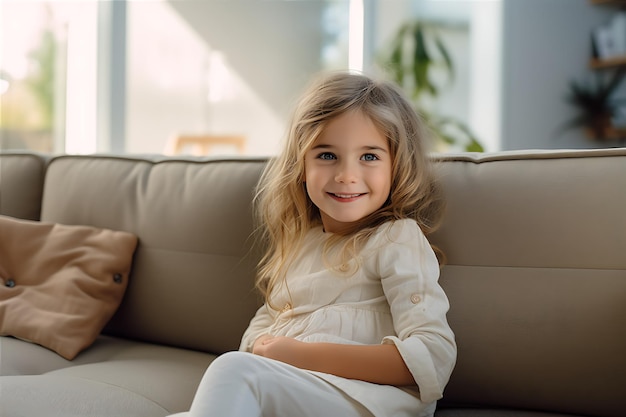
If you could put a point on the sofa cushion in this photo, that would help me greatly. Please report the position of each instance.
(165, 375)
(18, 357)
(149, 379)
(113, 377)
(60, 284)
(64, 396)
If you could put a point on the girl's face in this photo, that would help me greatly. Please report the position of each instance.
(348, 170)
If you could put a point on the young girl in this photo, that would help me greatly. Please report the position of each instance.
(354, 322)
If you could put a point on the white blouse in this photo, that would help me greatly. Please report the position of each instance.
(393, 297)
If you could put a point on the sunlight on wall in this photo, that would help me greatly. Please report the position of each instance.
(219, 80)
(485, 92)
(355, 36)
(178, 84)
(81, 90)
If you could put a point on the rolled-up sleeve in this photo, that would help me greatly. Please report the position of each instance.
(409, 274)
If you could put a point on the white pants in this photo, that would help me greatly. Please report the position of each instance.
(247, 385)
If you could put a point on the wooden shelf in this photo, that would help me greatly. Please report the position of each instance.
(611, 134)
(616, 133)
(610, 2)
(596, 63)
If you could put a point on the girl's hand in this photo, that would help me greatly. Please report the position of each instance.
(284, 349)
(259, 341)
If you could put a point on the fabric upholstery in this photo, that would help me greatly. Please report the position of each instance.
(195, 264)
(60, 284)
(21, 184)
(162, 374)
(63, 396)
(536, 278)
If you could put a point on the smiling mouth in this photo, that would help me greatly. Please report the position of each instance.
(346, 196)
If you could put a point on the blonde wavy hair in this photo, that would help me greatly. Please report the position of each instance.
(285, 213)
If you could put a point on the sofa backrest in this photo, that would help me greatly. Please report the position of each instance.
(536, 277)
(193, 272)
(21, 184)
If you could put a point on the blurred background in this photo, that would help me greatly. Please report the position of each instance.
(208, 77)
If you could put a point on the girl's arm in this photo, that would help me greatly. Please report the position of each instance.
(380, 364)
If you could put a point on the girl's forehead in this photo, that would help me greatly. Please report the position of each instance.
(350, 126)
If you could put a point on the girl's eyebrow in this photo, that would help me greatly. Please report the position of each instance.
(321, 145)
(375, 148)
(365, 148)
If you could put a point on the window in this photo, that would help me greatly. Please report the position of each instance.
(47, 75)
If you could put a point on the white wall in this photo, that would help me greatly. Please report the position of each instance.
(267, 52)
(546, 43)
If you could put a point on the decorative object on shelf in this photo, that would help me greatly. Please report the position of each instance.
(597, 108)
(415, 51)
(608, 41)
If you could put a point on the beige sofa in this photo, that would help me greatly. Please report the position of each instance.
(536, 276)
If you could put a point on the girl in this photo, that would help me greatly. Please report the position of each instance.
(354, 321)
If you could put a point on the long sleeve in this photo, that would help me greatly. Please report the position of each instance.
(409, 275)
(258, 326)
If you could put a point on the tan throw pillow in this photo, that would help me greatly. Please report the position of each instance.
(60, 284)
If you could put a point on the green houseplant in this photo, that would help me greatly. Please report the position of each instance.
(415, 53)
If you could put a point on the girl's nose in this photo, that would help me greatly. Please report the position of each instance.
(346, 173)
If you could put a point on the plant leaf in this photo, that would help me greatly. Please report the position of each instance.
(446, 58)
(421, 61)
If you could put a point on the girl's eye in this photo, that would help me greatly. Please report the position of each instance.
(369, 157)
(327, 156)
